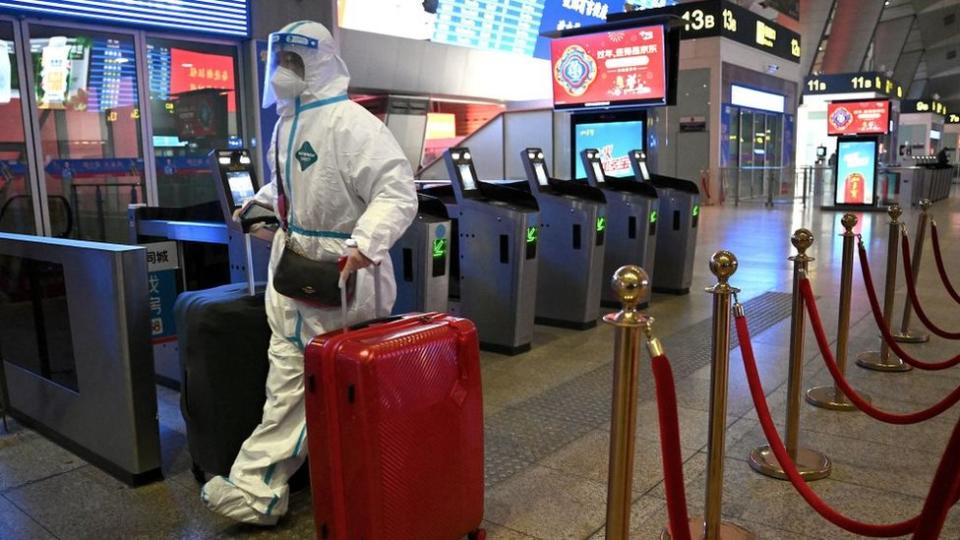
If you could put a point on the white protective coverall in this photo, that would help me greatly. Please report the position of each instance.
(345, 177)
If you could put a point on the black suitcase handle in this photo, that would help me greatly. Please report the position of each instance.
(373, 322)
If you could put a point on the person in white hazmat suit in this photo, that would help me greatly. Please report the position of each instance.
(345, 178)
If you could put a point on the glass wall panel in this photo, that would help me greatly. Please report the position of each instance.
(195, 106)
(88, 109)
(16, 193)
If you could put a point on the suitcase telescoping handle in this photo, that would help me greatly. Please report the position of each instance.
(378, 319)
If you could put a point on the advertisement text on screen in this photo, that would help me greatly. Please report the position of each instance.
(858, 117)
(608, 68)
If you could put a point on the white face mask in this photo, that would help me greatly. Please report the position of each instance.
(286, 84)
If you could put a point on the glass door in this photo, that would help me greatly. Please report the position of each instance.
(195, 108)
(86, 113)
(19, 210)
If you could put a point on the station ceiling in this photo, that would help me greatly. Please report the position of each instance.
(915, 41)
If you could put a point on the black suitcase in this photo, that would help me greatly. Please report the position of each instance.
(224, 336)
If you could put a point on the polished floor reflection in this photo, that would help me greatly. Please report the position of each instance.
(546, 415)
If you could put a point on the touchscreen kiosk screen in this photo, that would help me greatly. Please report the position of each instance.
(466, 175)
(541, 174)
(241, 186)
(643, 171)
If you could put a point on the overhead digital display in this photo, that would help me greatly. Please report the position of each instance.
(497, 25)
(923, 106)
(225, 17)
(845, 83)
(622, 67)
(710, 18)
(614, 141)
(500, 25)
(856, 171)
(858, 117)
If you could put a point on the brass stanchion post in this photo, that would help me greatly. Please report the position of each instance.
(906, 335)
(830, 396)
(631, 284)
(812, 464)
(884, 360)
(723, 264)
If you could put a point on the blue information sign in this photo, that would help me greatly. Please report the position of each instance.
(225, 17)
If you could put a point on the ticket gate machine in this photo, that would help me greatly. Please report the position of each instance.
(632, 211)
(237, 182)
(421, 259)
(573, 221)
(498, 233)
(677, 232)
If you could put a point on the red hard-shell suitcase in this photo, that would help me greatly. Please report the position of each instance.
(395, 430)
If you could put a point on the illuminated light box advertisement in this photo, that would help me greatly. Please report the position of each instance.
(225, 17)
(63, 64)
(614, 140)
(6, 72)
(858, 117)
(622, 67)
(856, 171)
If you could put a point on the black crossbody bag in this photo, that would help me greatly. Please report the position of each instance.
(297, 276)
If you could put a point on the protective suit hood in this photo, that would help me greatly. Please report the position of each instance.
(325, 72)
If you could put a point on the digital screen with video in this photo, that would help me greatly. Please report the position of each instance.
(856, 172)
(611, 68)
(614, 140)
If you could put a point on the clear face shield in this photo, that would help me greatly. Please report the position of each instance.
(287, 51)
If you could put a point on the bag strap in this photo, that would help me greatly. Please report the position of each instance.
(281, 193)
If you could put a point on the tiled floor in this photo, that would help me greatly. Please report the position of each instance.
(547, 437)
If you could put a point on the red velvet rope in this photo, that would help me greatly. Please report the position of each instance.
(670, 451)
(943, 492)
(935, 237)
(862, 404)
(776, 444)
(914, 297)
(885, 330)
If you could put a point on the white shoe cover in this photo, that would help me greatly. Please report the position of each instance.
(226, 499)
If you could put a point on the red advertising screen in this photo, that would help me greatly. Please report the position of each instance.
(610, 68)
(858, 117)
(200, 71)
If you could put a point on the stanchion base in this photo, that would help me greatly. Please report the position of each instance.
(872, 360)
(829, 397)
(728, 531)
(911, 336)
(812, 464)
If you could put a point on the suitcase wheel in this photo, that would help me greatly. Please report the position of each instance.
(479, 534)
(198, 473)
